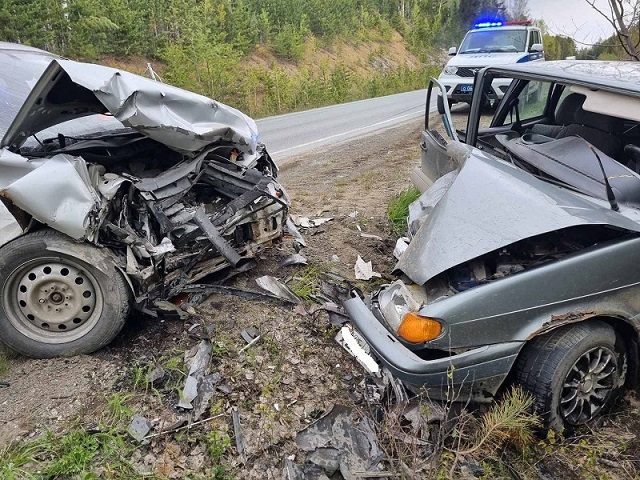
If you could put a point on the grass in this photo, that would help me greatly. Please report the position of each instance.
(78, 453)
(398, 209)
(307, 282)
(4, 364)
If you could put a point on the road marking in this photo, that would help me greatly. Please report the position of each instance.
(342, 134)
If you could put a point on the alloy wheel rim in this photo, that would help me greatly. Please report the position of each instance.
(588, 385)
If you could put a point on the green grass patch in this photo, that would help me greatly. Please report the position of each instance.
(307, 282)
(4, 364)
(398, 209)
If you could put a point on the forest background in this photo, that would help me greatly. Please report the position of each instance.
(264, 57)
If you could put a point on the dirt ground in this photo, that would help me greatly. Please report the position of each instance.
(297, 371)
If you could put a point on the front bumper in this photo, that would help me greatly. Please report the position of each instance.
(458, 88)
(474, 375)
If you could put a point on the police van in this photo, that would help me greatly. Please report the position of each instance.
(488, 44)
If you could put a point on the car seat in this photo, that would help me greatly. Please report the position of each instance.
(565, 115)
(600, 130)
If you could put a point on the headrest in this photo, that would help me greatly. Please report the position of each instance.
(599, 121)
(566, 111)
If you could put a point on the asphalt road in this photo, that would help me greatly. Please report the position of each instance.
(295, 133)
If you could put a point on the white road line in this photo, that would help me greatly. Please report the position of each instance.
(342, 134)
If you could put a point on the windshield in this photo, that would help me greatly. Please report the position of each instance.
(494, 41)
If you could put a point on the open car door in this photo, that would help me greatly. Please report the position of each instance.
(434, 159)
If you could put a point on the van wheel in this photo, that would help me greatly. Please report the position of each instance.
(440, 103)
(574, 373)
(59, 297)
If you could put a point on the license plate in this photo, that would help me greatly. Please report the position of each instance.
(466, 88)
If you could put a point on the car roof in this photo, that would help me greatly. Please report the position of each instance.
(504, 27)
(19, 48)
(614, 76)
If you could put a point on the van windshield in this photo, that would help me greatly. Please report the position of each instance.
(494, 41)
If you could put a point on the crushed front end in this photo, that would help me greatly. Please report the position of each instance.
(496, 257)
(174, 185)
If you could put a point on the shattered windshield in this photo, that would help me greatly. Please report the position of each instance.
(484, 41)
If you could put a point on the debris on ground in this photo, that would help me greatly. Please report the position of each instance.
(198, 360)
(202, 292)
(237, 429)
(156, 374)
(295, 259)
(250, 335)
(347, 338)
(306, 222)
(339, 441)
(139, 427)
(364, 270)
(279, 289)
(371, 236)
(401, 246)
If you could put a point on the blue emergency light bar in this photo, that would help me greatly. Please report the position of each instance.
(487, 24)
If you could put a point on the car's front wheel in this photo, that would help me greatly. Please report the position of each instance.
(59, 297)
(574, 373)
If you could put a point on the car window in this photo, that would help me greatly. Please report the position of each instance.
(532, 102)
(534, 37)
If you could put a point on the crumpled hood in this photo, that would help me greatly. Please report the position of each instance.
(182, 120)
(486, 59)
(492, 204)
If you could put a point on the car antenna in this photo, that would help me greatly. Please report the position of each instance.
(610, 196)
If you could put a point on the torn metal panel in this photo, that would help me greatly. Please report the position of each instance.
(198, 361)
(279, 289)
(356, 443)
(55, 191)
(182, 120)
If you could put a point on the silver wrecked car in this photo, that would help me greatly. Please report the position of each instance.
(523, 252)
(125, 191)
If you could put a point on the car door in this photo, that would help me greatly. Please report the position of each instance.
(434, 159)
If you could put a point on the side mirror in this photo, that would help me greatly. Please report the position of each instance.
(536, 47)
(453, 51)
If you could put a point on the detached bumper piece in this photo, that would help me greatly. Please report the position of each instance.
(473, 375)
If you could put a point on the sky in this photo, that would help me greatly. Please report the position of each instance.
(574, 18)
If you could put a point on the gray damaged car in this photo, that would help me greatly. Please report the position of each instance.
(125, 191)
(522, 264)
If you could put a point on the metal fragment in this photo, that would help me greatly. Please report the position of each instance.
(279, 289)
(295, 259)
(237, 429)
(198, 362)
(156, 374)
(364, 270)
(139, 427)
(250, 334)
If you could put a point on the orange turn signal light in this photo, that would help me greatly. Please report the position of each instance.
(417, 329)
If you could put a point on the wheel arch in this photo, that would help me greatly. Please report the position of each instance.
(624, 328)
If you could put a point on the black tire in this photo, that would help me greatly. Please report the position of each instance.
(441, 105)
(59, 297)
(551, 366)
